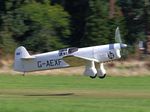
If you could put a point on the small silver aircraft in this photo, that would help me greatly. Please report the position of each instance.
(90, 56)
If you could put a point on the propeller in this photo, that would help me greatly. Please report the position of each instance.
(119, 40)
(118, 36)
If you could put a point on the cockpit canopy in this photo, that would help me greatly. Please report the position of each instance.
(67, 51)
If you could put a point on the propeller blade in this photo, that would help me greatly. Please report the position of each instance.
(118, 36)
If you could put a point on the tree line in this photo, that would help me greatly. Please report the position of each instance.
(46, 25)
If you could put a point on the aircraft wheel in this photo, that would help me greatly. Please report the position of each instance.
(92, 77)
(102, 77)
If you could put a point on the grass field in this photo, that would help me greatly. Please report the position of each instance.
(74, 94)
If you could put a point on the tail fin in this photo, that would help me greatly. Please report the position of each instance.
(20, 53)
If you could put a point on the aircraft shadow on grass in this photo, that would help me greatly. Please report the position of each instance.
(54, 94)
(37, 94)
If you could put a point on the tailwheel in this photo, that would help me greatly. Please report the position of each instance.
(102, 77)
(93, 77)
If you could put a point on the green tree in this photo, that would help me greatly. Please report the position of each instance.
(7, 42)
(135, 19)
(42, 27)
(78, 10)
(96, 28)
(147, 17)
(117, 20)
(35, 24)
(82, 15)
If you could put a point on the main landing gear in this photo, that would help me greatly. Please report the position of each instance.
(101, 77)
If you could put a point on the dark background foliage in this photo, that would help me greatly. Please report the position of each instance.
(46, 25)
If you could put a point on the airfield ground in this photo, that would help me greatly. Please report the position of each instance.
(45, 93)
(116, 68)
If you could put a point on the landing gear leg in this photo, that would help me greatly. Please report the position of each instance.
(101, 71)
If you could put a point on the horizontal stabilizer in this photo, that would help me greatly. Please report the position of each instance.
(28, 58)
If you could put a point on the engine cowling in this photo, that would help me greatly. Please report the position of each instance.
(101, 72)
(90, 69)
(107, 55)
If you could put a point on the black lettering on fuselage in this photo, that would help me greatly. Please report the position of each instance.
(111, 55)
(57, 62)
(49, 63)
(39, 64)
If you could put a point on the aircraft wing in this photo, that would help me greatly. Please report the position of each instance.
(76, 57)
(77, 60)
(86, 58)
